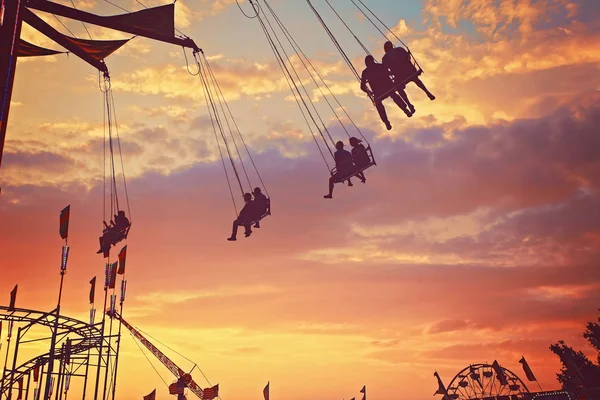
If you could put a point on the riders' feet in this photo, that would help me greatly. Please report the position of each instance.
(411, 108)
(388, 125)
(431, 97)
(363, 180)
(232, 239)
(257, 225)
(328, 196)
(247, 234)
(350, 184)
(100, 251)
(408, 112)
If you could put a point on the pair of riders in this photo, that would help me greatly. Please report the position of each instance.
(253, 210)
(396, 62)
(348, 164)
(113, 233)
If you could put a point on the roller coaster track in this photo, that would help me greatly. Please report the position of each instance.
(78, 346)
(33, 317)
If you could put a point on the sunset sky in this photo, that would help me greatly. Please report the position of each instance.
(475, 238)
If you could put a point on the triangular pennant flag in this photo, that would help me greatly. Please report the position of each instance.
(151, 396)
(64, 222)
(122, 258)
(441, 387)
(36, 373)
(266, 391)
(92, 290)
(527, 370)
(13, 299)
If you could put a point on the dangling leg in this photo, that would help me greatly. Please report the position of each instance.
(247, 230)
(101, 246)
(361, 176)
(421, 85)
(234, 231)
(400, 103)
(330, 195)
(350, 182)
(404, 96)
(382, 114)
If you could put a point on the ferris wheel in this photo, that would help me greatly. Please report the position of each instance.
(480, 381)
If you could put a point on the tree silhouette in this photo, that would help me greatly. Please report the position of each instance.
(592, 334)
(579, 374)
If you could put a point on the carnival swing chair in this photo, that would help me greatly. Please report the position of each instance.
(226, 129)
(402, 63)
(118, 228)
(271, 25)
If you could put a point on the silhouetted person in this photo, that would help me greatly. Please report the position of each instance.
(344, 167)
(360, 157)
(397, 60)
(109, 236)
(244, 218)
(382, 87)
(261, 204)
(121, 221)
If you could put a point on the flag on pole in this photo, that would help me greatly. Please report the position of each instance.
(13, 298)
(499, 373)
(113, 276)
(266, 391)
(151, 396)
(92, 289)
(364, 392)
(67, 355)
(20, 382)
(64, 222)
(177, 387)
(36, 373)
(527, 370)
(210, 393)
(122, 257)
(441, 387)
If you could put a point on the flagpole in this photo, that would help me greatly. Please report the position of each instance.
(121, 301)
(108, 354)
(102, 332)
(7, 351)
(63, 270)
(12, 372)
(87, 360)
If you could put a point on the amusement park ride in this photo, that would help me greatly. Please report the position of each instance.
(83, 356)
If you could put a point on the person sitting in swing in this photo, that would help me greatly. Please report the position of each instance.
(397, 60)
(245, 218)
(344, 167)
(261, 204)
(115, 232)
(382, 87)
(360, 157)
(109, 236)
(121, 223)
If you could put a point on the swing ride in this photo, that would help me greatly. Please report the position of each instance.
(88, 345)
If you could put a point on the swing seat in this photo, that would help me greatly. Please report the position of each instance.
(263, 215)
(341, 177)
(122, 235)
(398, 86)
